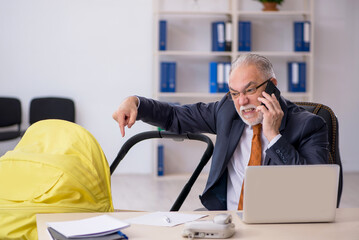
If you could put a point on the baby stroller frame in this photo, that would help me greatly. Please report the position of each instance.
(177, 137)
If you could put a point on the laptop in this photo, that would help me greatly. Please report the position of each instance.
(290, 194)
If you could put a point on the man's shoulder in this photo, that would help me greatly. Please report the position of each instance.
(301, 116)
(225, 104)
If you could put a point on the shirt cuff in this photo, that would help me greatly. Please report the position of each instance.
(274, 140)
(139, 102)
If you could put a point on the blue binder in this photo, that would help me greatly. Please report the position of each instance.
(248, 36)
(244, 36)
(164, 77)
(213, 77)
(162, 35)
(171, 77)
(306, 36)
(298, 36)
(297, 75)
(302, 36)
(227, 69)
(218, 36)
(168, 77)
(220, 77)
(160, 160)
(228, 36)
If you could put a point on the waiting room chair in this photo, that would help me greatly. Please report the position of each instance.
(177, 137)
(10, 115)
(333, 136)
(52, 108)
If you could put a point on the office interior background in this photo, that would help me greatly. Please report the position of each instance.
(98, 52)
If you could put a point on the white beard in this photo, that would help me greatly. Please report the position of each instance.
(253, 122)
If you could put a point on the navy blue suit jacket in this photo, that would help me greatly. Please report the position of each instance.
(304, 137)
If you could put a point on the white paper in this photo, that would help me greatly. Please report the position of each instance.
(160, 218)
(95, 226)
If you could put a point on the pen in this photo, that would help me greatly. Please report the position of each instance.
(167, 219)
(123, 236)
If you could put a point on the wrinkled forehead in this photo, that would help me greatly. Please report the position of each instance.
(244, 76)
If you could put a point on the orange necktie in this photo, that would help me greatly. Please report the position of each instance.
(256, 155)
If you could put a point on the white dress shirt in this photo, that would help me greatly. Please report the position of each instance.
(238, 163)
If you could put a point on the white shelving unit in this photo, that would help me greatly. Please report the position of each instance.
(189, 44)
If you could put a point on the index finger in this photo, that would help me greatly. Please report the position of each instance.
(122, 123)
(122, 129)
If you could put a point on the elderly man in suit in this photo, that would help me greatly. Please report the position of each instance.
(287, 134)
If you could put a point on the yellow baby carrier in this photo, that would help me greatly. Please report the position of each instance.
(57, 167)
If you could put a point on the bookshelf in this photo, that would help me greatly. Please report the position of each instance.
(189, 45)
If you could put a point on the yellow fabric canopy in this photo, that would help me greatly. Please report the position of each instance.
(57, 166)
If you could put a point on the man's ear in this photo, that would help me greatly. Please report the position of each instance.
(274, 81)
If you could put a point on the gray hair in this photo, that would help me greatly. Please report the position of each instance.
(262, 63)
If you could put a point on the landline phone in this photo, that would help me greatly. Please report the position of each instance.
(220, 227)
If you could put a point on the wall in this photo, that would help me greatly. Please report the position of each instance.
(95, 52)
(337, 70)
(98, 52)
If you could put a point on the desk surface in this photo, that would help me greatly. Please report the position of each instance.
(346, 226)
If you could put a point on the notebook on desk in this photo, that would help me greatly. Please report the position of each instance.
(289, 194)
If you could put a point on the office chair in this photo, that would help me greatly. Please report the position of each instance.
(52, 108)
(10, 115)
(333, 136)
(178, 137)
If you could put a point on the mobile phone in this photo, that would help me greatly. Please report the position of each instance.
(271, 88)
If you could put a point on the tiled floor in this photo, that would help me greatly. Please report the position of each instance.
(145, 192)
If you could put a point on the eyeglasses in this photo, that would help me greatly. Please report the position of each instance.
(249, 91)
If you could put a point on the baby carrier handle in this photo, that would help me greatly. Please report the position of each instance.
(177, 137)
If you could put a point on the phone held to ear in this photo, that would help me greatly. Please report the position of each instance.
(220, 227)
(271, 88)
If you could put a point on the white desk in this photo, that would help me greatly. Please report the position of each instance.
(346, 226)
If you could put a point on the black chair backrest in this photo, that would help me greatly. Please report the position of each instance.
(333, 137)
(52, 108)
(10, 115)
(163, 134)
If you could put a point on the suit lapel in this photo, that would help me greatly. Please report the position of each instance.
(233, 139)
